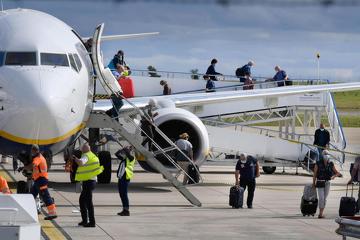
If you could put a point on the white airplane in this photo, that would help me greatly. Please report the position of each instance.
(46, 87)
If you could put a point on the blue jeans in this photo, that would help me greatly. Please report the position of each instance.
(117, 104)
(123, 191)
(40, 187)
(320, 155)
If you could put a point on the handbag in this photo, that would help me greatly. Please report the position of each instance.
(320, 183)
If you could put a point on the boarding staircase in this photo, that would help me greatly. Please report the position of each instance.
(296, 118)
(129, 129)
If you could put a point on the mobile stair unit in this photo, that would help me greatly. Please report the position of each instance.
(277, 130)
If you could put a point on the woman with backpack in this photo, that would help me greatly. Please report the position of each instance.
(324, 171)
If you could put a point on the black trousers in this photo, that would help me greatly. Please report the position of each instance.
(251, 184)
(86, 203)
(123, 191)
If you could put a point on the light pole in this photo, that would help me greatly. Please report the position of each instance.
(318, 65)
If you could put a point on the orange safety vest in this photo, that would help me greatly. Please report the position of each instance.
(4, 188)
(39, 167)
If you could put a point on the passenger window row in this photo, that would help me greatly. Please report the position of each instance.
(46, 59)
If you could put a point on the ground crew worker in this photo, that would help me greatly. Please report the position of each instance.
(247, 169)
(40, 177)
(187, 149)
(88, 168)
(4, 188)
(125, 173)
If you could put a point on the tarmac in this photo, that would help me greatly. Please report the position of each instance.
(158, 211)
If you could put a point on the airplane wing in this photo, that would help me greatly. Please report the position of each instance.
(199, 99)
(123, 36)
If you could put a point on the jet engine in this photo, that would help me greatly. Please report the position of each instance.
(173, 122)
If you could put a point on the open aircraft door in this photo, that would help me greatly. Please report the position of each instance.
(105, 76)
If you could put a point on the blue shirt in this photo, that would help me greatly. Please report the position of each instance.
(247, 70)
(116, 74)
(211, 71)
(280, 76)
(248, 169)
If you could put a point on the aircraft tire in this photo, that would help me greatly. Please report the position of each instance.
(268, 170)
(105, 161)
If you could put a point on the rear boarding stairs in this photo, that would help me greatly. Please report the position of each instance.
(278, 131)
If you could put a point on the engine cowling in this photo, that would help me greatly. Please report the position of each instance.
(173, 122)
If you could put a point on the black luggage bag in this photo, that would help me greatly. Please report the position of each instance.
(308, 207)
(236, 197)
(347, 204)
(22, 187)
(193, 173)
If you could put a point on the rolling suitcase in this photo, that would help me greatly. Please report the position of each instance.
(308, 207)
(347, 204)
(309, 201)
(22, 187)
(193, 173)
(236, 197)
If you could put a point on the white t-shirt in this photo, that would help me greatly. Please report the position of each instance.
(184, 145)
(84, 159)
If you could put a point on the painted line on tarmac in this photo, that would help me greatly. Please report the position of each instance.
(49, 229)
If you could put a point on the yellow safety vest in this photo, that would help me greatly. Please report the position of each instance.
(129, 170)
(91, 168)
(125, 73)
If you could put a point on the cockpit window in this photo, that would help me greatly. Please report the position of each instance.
(54, 59)
(2, 55)
(78, 62)
(21, 58)
(72, 62)
(75, 62)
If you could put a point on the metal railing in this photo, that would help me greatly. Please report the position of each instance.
(223, 77)
(262, 131)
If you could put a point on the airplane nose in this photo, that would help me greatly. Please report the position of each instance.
(40, 107)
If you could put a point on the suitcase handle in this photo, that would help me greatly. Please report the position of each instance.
(352, 189)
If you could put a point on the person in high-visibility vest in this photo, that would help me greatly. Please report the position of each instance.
(89, 168)
(125, 173)
(4, 188)
(41, 179)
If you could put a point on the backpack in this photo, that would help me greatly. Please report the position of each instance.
(240, 72)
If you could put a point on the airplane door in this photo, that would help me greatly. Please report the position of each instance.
(105, 76)
(95, 49)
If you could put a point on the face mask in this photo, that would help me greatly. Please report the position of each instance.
(243, 161)
(321, 129)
